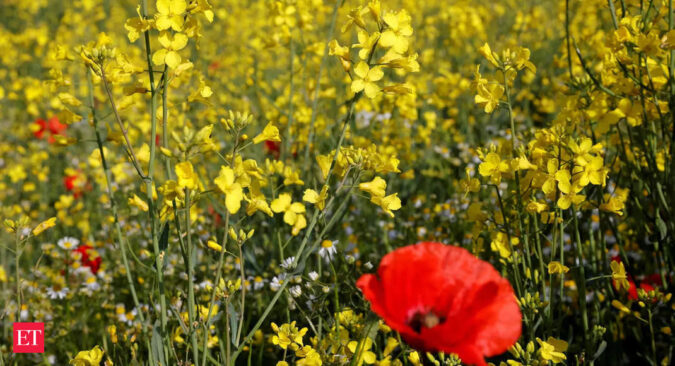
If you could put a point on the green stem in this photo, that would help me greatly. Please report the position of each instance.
(519, 197)
(113, 205)
(287, 136)
(582, 281)
(317, 85)
(17, 271)
(191, 275)
(219, 267)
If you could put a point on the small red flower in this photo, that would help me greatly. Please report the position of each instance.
(273, 148)
(41, 127)
(442, 298)
(53, 126)
(75, 182)
(87, 261)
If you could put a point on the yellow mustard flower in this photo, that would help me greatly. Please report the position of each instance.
(365, 79)
(170, 14)
(294, 212)
(233, 191)
(187, 178)
(91, 357)
(171, 43)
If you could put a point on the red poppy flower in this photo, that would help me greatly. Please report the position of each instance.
(53, 126)
(75, 182)
(273, 148)
(442, 298)
(40, 128)
(87, 261)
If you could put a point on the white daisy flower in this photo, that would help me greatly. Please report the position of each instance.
(68, 243)
(91, 283)
(277, 281)
(57, 293)
(313, 275)
(296, 291)
(328, 249)
(287, 263)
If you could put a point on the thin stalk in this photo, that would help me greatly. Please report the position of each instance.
(567, 39)
(130, 149)
(582, 281)
(113, 205)
(243, 294)
(287, 136)
(219, 267)
(514, 155)
(17, 272)
(317, 84)
(191, 275)
(653, 336)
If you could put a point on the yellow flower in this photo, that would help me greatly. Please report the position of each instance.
(487, 53)
(288, 335)
(257, 202)
(365, 79)
(270, 132)
(170, 14)
(619, 275)
(621, 307)
(396, 36)
(136, 26)
(172, 43)
(112, 330)
(500, 244)
(489, 96)
(414, 358)
(552, 350)
(293, 212)
(362, 351)
(557, 268)
(138, 202)
(366, 43)
(215, 246)
(615, 203)
(388, 203)
(324, 162)
(568, 189)
(469, 184)
(392, 343)
(309, 357)
(49, 223)
(3, 274)
(88, 358)
(493, 166)
(334, 49)
(355, 16)
(318, 199)
(376, 187)
(187, 178)
(233, 191)
(592, 172)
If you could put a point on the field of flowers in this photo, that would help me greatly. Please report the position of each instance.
(338, 182)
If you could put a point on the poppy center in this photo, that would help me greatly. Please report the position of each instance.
(424, 319)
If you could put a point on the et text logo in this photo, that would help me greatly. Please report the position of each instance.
(28, 337)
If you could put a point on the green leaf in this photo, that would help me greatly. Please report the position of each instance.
(661, 225)
(164, 238)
